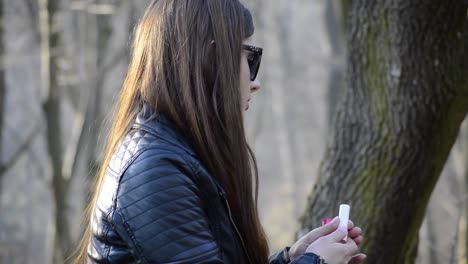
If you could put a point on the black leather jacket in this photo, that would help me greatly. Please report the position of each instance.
(158, 204)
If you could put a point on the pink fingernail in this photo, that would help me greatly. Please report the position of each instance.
(326, 221)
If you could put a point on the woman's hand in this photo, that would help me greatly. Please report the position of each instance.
(334, 251)
(354, 237)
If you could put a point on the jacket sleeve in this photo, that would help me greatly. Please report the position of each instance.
(160, 214)
(307, 258)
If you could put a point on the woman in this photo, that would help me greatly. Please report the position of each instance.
(176, 184)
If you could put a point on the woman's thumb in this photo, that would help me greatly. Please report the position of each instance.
(327, 228)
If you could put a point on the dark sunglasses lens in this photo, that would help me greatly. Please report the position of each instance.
(254, 65)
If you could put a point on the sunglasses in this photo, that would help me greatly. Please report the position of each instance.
(254, 58)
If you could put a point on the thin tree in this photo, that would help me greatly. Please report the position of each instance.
(64, 164)
(406, 96)
(2, 89)
(51, 51)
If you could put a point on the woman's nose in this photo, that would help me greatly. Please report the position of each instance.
(255, 86)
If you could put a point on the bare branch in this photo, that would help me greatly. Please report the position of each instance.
(22, 149)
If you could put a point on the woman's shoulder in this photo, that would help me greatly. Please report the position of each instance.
(156, 169)
(140, 146)
(159, 156)
(152, 159)
(146, 168)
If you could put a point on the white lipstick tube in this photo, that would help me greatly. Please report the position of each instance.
(344, 218)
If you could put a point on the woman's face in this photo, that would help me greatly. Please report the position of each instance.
(247, 87)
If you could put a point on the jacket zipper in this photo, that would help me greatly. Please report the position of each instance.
(234, 225)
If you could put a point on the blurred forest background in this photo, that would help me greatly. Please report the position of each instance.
(63, 62)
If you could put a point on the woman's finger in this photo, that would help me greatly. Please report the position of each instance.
(358, 240)
(323, 230)
(354, 232)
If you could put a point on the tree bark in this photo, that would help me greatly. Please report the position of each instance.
(51, 51)
(407, 95)
(2, 89)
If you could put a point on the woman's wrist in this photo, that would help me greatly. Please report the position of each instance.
(287, 257)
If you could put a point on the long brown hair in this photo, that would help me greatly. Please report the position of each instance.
(186, 65)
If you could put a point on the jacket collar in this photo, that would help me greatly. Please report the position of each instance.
(162, 127)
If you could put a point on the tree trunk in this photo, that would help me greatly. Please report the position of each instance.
(2, 90)
(407, 95)
(51, 51)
